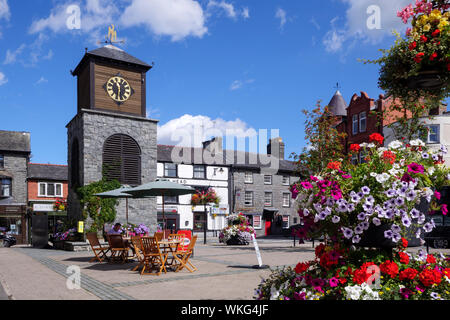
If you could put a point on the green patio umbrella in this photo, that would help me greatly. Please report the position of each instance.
(117, 193)
(160, 187)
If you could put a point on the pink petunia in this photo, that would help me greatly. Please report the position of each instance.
(306, 185)
(415, 168)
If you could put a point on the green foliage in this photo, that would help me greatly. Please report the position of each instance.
(325, 143)
(100, 210)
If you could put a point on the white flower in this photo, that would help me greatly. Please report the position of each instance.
(382, 178)
(371, 145)
(363, 145)
(395, 144)
(393, 171)
(417, 142)
(373, 174)
(431, 170)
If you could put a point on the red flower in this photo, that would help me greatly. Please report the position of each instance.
(390, 268)
(418, 57)
(430, 277)
(436, 33)
(446, 272)
(301, 267)
(389, 156)
(423, 38)
(361, 275)
(408, 274)
(404, 258)
(355, 147)
(319, 250)
(431, 259)
(433, 56)
(404, 243)
(412, 45)
(376, 137)
(335, 165)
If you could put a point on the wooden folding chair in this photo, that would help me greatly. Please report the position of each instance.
(179, 246)
(138, 250)
(99, 250)
(158, 235)
(153, 257)
(118, 248)
(183, 255)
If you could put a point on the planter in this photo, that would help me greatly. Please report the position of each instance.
(427, 80)
(236, 240)
(58, 244)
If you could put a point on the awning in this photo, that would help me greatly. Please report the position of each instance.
(5, 174)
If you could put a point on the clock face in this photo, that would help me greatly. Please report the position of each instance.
(118, 89)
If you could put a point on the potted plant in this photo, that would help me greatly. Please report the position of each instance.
(342, 203)
(238, 231)
(418, 64)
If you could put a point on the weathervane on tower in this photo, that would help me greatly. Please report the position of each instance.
(111, 38)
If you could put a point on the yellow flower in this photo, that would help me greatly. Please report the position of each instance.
(388, 289)
(442, 24)
(435, 15)
(380, 293)
(427, 27)
(422, 20)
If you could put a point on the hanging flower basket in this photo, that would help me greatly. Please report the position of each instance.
(427, 80)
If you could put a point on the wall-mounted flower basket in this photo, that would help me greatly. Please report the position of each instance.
(426, 80)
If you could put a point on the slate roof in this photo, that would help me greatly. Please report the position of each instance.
(16, 141)
(111, 52)
(48, 172)
(235, 159)
(337, 105)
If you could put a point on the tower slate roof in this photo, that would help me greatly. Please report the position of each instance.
(337, 105)
(110, 52)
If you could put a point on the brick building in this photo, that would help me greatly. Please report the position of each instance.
(47, 183)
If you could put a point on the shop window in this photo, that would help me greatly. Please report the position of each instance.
(11, 224)
(256, 222)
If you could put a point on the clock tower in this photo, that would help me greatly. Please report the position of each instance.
(111, 136)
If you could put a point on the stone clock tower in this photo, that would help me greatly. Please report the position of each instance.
(111, 136)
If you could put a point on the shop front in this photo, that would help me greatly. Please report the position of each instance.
(56, 219)
(13, 222)
(171, 217)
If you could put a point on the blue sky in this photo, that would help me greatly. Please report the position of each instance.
(241, 65)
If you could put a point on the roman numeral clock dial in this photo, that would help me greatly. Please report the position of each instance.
(118, 89)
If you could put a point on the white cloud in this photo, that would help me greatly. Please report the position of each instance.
(246, 13)
(281, 14)
(357, 28)
(11, 56)
(3, 79)
(93, 15)
(314, 23)
(4, 10)
(175, 18)
(41, 81)
(227, 7)
(237, 84)
(190, 131)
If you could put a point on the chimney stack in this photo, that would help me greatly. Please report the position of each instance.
(276, 145)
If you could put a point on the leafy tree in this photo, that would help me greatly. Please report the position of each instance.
(325, 142)
(100, 210)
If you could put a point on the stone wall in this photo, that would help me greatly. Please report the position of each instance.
(259, 188)
(92, 128)
(16, 165)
